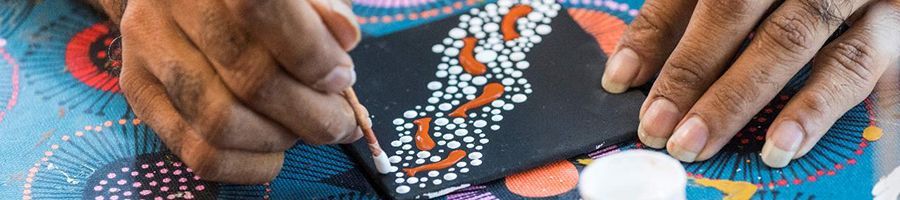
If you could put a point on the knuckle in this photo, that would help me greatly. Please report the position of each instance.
(652, 21)
(331, 129)
(223, 42)
(817, 102)
(733, 10)
(852, 56)
(732, 99)
(791, 32)
(686, 71)
(825, 12)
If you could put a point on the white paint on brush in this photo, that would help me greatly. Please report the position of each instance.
(383, 164)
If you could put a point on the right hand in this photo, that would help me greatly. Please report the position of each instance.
(230, 85)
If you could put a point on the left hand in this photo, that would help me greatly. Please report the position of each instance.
(707, 90)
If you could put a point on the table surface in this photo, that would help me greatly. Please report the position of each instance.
(67, 133)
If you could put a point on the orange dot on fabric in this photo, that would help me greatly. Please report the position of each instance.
(548, 180)
(872, 133)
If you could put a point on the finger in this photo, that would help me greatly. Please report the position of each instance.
(844, 73)
(198, 94)
(254, 77)
(785, 41)
(338, 16)
(713, 36)
(147, 96)
(315, 58)
(646, 44)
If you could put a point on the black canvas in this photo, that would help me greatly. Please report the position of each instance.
(566, 115)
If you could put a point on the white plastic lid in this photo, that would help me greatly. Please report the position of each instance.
(634, 174)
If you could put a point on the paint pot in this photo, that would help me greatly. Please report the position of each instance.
(634, 174)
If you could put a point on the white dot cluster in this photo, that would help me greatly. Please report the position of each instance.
(453, 87)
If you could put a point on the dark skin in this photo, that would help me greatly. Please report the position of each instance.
(230, 85)
(706, 91)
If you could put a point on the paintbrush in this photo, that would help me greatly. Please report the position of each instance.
(382, 164)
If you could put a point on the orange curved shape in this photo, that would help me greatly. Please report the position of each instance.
(467, 57)
(451, 159)
(606, 28)
(548, 180)
(423, 139)
(508, 24)
(489, 93)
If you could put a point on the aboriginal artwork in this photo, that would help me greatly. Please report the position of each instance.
(66, 131)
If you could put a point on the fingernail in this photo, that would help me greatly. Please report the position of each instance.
(650, 141)
(620, 70)
(658, 122)
(689, 139)
(337, 80)
(782, 146)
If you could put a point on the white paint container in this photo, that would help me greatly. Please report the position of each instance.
(634, 174)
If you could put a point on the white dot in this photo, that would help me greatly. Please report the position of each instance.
(498, 103)
(448, 136)
(395, 159)
(486, 56)
(480, 123)
(434, 85)
(423, 154)
(495, 127)
(461, 164)
(398, 180)
(410, 114)
(509, 106)
(543, 29)
(456, 69)
(523, 64)
(457, 33)
(406, 139)
(445, 106)
(508, 81)
(479, 80)
(516, 56)
(402, 189)
(437, 181)
(491, 27)
(438, 48)
(396, 143)
(406, 147)
(468, 139)
(441, 121)
(469, 90)
(435, 158)
(519, 98)
(475, 162)
(451, 52)
(450, 176)
(497, 118)
(464, 170)
(453, 144)
(398, 121)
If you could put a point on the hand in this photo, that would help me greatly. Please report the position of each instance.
(230, 85)
(707, 90)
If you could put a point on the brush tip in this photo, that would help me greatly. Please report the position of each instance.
(383, 164)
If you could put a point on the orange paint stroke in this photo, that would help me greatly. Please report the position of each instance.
(489, 93)
(508, 25)
(545, 181)
(423, 140)
(451, 159)
(467, 57)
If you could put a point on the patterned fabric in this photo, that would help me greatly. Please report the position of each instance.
(67, 133)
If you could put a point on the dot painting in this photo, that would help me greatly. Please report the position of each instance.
(479, 79)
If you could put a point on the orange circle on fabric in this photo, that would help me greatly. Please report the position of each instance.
(548, 180)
